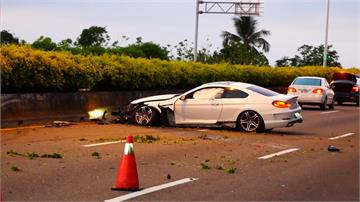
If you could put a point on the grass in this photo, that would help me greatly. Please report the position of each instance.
(146, 139)
(230, 170)
(31, 155)
(13, 153)
(109, 139)
(15, 168)
(205, 166)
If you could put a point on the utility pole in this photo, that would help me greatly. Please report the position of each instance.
(325, 56)
(239, 7)
(196, 30)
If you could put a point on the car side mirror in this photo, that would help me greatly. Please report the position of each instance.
(183, 97)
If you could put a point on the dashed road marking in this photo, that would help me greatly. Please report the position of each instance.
(103, 143)
(151, 189)
(329, 112)
(279, 153)
(341, 136)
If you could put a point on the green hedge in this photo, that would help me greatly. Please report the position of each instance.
(24, 69)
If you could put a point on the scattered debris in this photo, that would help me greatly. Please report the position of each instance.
(96, 154)
(172, 163)
(332, 148)
(219, 167)
(204, 136)
(15, 168)
(59, 124)
(82, 139)
(168, 177)
(54, 155)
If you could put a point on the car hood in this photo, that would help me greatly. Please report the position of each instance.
(154, 98)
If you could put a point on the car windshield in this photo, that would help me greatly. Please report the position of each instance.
(262, 91)
(307, 82)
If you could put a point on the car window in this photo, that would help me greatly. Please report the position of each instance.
(263, 91)
(307, 82)
(208, 93)
(234, 93)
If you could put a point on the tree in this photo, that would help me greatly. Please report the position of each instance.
(93, 36)
(144, 50)
(66, 43)
(310, 55)
(240, 54)
(247, 35)
(246, 45)
(44, 43)
(8, 38)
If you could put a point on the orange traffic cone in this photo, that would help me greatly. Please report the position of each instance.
(127, 178)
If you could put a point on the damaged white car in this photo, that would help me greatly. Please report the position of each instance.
(235, 104)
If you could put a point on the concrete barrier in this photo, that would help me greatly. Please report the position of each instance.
(31, 108)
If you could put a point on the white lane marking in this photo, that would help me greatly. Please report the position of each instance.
(104, 143)
(151, 189)
(341, 136)
(279, 153)
(329, 112)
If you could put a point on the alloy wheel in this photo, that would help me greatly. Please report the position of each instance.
(144, 115)
(249, 121)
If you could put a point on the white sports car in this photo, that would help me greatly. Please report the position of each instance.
(235, 104)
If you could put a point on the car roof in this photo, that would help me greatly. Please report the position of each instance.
(227, 84)
(310, 77)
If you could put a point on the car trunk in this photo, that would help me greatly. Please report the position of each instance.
(342, 86)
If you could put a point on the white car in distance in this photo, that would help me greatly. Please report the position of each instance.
(235, 104)
(312, 90)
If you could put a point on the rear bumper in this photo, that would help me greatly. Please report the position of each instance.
(346, 97)
(284, 120)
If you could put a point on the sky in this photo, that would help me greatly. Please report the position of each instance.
(292, 23)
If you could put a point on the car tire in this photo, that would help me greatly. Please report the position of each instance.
(324, 104)
(146, 116)
(250, 121)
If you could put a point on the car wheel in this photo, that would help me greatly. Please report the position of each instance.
(324, 104)
(331, 106)
(146, 115)
(250, 121)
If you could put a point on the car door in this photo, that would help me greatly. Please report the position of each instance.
(329, 92)
(234, 101)
(202, 106)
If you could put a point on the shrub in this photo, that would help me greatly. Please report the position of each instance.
(24, 69)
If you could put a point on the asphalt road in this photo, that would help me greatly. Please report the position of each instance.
(311, 173)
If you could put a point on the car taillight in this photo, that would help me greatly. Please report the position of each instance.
(355, 89)
(281, 104)
(291, 90)
(318, 91)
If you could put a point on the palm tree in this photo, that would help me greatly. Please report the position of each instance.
(247, 35)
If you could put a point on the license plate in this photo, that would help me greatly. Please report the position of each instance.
(303, 90)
